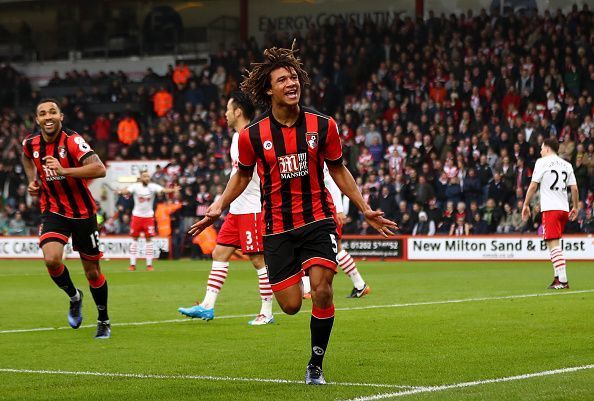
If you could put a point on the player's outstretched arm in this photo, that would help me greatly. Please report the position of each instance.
(92, 167)
(529, 194)
(343, 178)
(33, 187)
(177, 188)
(236, 185)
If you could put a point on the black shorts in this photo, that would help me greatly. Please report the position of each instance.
(288, 254)
(85, 235)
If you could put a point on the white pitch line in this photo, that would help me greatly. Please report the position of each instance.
(354, 308)
(457, 301)
(434, 389)
(150, 322)
(191, 377)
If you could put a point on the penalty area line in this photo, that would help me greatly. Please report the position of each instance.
(354, 308)
(434, 389)
(191, 377)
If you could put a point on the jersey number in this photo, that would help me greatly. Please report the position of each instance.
(554, 186)
(334, 244)
(95, 239)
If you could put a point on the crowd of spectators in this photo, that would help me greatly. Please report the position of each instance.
(441, 119)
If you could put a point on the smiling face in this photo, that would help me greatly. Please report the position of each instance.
(285, 89)
(49, 117)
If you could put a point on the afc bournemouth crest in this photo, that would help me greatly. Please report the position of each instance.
(62, 151)
(312, 139)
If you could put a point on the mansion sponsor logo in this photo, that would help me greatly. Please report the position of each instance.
(51, 175)
(293, 165)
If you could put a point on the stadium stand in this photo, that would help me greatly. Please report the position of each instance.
(443, 116)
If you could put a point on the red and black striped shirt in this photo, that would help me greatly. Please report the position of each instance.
(290, 162)
(66, 196)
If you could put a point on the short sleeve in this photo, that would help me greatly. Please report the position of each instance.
(333, 148)
(247, 157)
(538, 172)
(79, 148)
(26, 148)
(131, 189)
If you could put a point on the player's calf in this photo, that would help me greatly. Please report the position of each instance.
(61, 276)
(99, 291)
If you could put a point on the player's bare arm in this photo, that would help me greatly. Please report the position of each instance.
(529, 194)
(92, 167)
(345, 182)
(236, 185)
(33, 187)
(574, 202)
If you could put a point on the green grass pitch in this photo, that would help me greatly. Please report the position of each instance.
(475, 328)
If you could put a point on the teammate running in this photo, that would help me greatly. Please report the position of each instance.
(58, 162)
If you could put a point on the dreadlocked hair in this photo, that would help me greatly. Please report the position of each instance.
(257, 81)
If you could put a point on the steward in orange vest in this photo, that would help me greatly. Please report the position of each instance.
(128, 130)
(162, 102)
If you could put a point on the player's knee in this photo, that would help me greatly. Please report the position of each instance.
(53, 262)
(92, 274)
(322, 294)
(217, 253)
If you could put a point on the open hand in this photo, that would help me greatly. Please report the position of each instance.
(212, 214)
(382, 225)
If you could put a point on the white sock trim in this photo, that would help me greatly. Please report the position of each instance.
(216, 263)
(341, 255)
(262, 271)
(76, 298)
